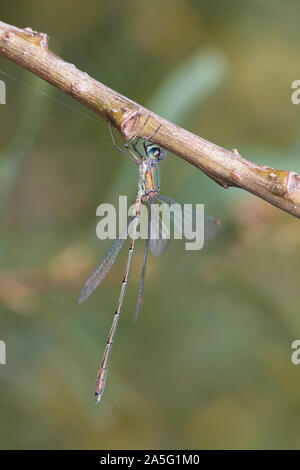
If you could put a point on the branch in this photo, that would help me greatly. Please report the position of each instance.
(30, 50)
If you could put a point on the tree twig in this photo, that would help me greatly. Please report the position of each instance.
(29, 49)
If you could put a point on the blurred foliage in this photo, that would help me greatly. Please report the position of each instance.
(208, 363)
(193, 81)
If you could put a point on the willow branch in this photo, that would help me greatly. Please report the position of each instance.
(29, 49)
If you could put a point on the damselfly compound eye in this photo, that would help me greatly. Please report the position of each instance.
(153, 151)
(156, 152)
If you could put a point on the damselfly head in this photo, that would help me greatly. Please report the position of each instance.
(155, 152)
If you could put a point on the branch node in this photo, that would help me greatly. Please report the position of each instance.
(293, 188)
(129, 123)
(44, 41)
(235, 176)
(236, 152)
(40, 39)
(77, 87)
(30, 31)
(8, 35)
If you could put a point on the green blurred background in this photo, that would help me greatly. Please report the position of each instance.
(208, 364)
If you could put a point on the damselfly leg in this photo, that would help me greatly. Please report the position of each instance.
(150, 137)
(131, 156)
(134, 141)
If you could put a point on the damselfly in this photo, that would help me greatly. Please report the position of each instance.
(148, 190)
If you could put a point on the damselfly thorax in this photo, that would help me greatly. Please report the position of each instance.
(148, 179)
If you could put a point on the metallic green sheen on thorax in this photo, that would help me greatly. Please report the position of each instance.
(149, 176)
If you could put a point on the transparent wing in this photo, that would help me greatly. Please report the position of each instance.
(159, 238)
(104, 266)
(142, 281)
(211, 224)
